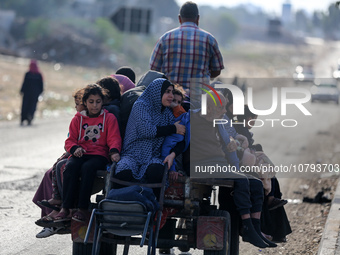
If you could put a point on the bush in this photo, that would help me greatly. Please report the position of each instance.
(37, 29)
(109, 34)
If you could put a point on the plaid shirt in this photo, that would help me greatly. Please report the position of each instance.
(186, 52)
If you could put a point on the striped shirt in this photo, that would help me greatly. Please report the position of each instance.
(186, 52)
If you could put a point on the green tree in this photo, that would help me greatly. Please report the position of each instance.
(37, 28)
(109, 34)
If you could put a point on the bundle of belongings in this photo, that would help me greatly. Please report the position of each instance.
(138, 193)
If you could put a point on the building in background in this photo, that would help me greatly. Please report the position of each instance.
(287, 15)
(6, 19)
(274, 27)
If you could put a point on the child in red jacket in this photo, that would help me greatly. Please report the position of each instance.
(93, 140)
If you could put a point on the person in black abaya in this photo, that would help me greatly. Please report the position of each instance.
(31, 88)
(275, 222)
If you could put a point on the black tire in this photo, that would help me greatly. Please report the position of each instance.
(235, 233)
(226, 202)
(189, 225)
(107, 248)
(227, 234)
(86, 249)
(184, 249)
(81, 249)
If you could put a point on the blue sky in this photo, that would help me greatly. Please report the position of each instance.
(270, 6)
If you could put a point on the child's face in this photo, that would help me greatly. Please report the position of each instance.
(176, 101)
(94, 105)
(79, 105)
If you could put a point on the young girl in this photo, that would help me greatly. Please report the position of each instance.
(56, 197)
(56, 201)
(94, 138)
(45, 191)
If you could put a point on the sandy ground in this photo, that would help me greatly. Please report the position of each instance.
(18, 213)
(307, 219)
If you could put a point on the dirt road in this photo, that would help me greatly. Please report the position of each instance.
(27, 152)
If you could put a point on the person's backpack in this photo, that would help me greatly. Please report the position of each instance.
(129, 97)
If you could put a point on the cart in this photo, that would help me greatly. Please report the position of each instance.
(187, 219)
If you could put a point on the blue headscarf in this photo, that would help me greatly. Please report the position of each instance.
(141, 147)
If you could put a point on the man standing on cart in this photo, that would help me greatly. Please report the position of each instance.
(187, 52)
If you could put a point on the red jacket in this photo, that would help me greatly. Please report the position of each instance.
(97, 136)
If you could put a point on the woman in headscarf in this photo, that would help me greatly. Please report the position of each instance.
(149, 122)
(31, 88)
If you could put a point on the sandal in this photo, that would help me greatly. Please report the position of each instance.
(62, 216)
(48, 205)
(45, 221)
(79, 216)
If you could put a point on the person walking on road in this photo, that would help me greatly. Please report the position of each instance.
(31, 88)
(187, 53)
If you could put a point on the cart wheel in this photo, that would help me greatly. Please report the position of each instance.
(86, 249)
(108, 248)
(186, 248)
(81, 249)
(227, 231)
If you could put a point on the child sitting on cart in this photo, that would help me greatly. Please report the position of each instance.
(93, 140)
